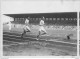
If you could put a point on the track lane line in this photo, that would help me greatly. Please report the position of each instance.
(47, 41)
(14, 43)
(36, 38)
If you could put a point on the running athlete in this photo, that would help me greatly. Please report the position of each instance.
(26, 27)
(42, 31)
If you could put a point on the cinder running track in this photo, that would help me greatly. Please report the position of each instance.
(14, 45)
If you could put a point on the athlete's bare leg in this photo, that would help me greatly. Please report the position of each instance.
(43, 33)
(39, 35)
(24, 32)
(28, 30)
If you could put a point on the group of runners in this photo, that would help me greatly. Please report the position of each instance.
(26, 28)
(41, 30)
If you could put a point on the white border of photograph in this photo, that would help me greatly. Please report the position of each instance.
(77, 4)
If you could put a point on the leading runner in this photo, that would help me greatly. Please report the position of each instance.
(42, 31)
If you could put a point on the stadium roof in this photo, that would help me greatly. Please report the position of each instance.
(46, 15)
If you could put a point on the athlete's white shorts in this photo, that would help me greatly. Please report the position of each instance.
(42, 29)
(26, 28)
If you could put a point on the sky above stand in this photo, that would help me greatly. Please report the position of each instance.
(40, 6)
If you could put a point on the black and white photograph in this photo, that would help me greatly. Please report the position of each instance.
(39, 28)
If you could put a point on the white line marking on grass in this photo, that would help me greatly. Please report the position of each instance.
(64, 42)
(45, 40)
(11, 32)
(11, 35)
(16, 33)
(11, 41)
(21, 33)
(18, 36)
(50, 40)
(9, 45)
(14, 43)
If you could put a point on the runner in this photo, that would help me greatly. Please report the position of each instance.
(26, 27)
(42, 31)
